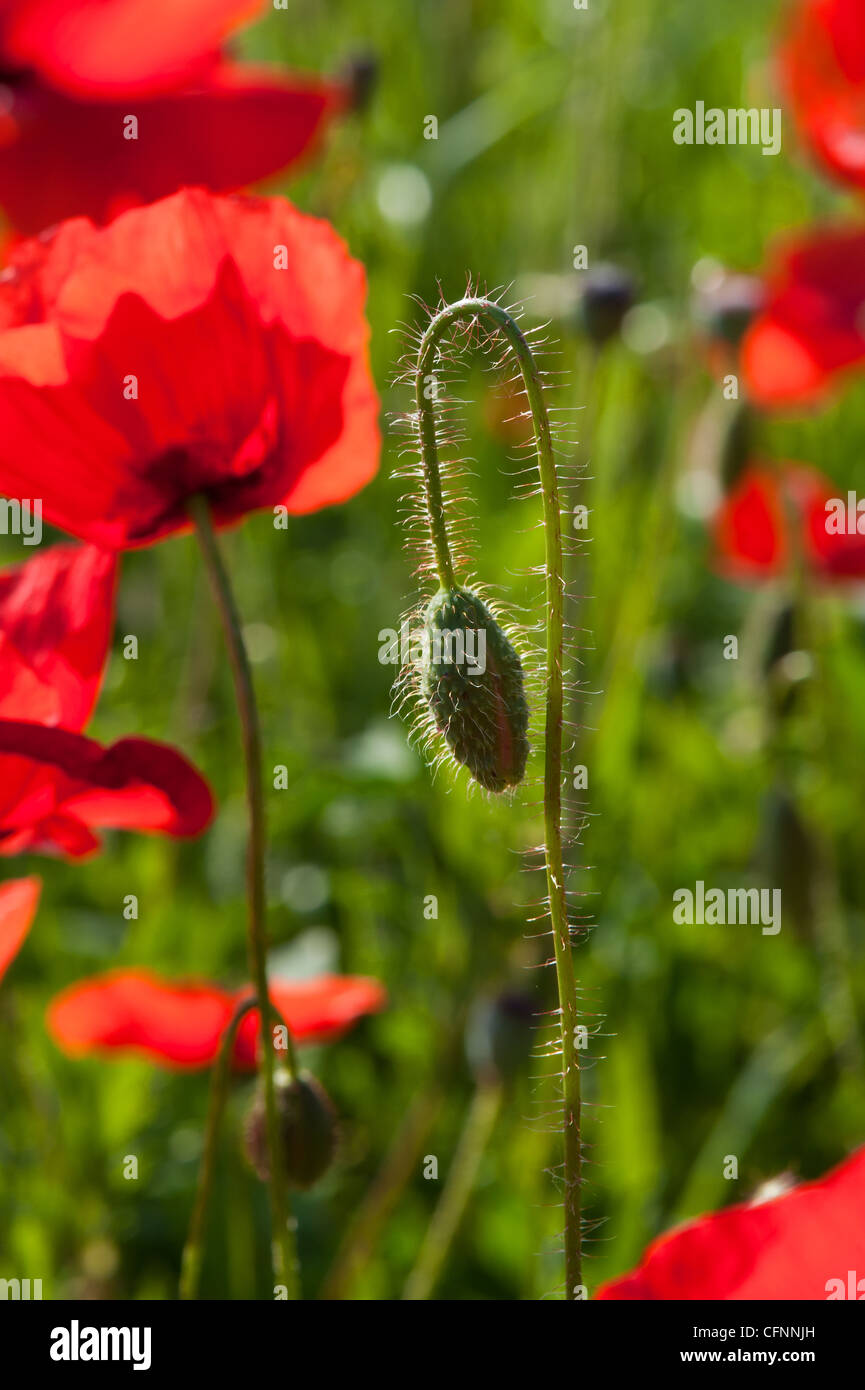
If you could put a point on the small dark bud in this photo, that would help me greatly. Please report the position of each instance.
(607, 295)
(360, 76)
(499, 1036)
(307, 1127)
(726, 303)
(472, 680)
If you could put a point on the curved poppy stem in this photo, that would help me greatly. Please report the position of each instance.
(283, 1243)
(193, 1250)
(484, 310)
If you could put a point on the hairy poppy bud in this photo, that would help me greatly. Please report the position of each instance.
(499, 1035)
(307, 1130)
(607, 295)
(472, 680)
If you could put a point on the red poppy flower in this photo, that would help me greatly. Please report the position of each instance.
(19, 899)
(135, 1012)
(823, 69)
(801, 1245)
(118, 46)
(57, 788)
(200, 345)
(55, 627)
(811, 329)
(235, 126)
(774, 514)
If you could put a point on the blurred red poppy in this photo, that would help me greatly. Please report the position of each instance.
(119, 102)
(235, 126)
(199, 345)
(135, 1012)
(776, 513)
(811, 329)
(823, 70)
(19, 898)
(118, 46)
(57, 788)
(56, 613)
(801, 1245)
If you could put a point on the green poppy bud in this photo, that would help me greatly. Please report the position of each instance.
(307, 1130)
(472, 680)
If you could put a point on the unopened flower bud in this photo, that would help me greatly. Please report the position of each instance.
(472, 680)
(607, 295)
(307, 1130)
(499, 1035)
(361, 79)
(725, 304)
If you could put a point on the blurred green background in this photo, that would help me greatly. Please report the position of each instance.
(554, 129)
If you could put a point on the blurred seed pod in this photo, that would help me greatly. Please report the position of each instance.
(607, 293)
(499, 1036)
(360, 77)
(725, 302)
(307, 1129)
(472, 680)
(790, 855)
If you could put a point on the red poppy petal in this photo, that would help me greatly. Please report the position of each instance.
(776, 512)
(812, 326)
(56, 613)
(182, 1025)
(19, 899)
(316, 1010)
(822, 63)
(133, 1011)
(57, 786)
(789, 1248)
(119, 46)
(779, 368)
(253, 383)
(240, 126)
(750, 527)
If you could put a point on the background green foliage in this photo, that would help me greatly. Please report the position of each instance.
(555, 128)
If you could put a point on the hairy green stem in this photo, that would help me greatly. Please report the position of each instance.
(480, 1121)
(283, 1254)
(491, 314)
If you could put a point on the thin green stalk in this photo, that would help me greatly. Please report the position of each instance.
(485, 310)
(382, 1196)
(283, 1253)
(480, 1122)
(193, 1250)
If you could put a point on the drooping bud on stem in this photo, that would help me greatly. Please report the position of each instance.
(472, 680)
(485, 724)
(307, 1130)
